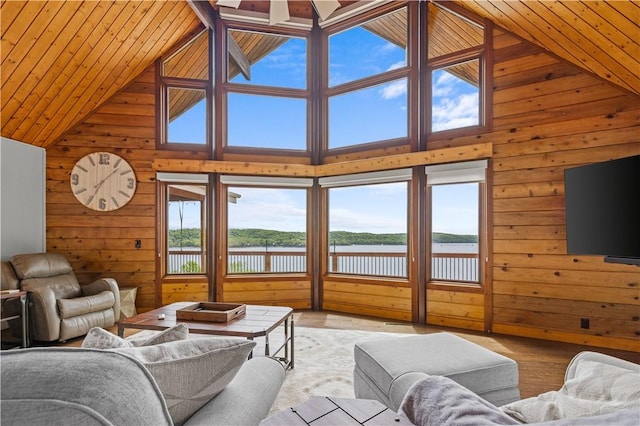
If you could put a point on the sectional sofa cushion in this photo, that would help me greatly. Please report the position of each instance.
(99, 338)
(191, 372)
(177, 332)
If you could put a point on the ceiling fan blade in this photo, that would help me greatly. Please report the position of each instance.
(229, 3)
(325, 8)
(278, 11)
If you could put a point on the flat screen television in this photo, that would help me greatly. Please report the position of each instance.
(602, 202)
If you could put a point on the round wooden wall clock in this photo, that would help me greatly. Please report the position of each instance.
(103, 181)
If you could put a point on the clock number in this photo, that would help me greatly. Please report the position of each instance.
(103, 158)
(131, 183)
(75, 179)
(102, 204)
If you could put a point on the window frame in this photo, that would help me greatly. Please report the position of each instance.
(482, 53)
(224, 87)
(451, 174)
(238, 181)
(165, 181)
(361, 180)
(408, 72)
(162, 108)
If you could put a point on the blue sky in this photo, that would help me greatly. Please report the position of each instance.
(373, 114)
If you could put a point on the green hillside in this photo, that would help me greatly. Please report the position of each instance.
(262, 237)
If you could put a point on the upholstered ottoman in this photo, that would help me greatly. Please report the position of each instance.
(385, 369)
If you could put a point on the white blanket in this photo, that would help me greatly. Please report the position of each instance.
(595, 389)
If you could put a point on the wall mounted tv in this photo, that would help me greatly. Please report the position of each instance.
(602, 203)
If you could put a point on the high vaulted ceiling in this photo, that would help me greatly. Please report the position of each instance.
(62, 59)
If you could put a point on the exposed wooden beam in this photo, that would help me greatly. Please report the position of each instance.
(206, 15)
(204, 11)
(411, 159)
(436, 156)
(233, 167)
(238, 57)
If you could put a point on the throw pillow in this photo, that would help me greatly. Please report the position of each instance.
(595, 389)
(177, 332)
(191, 372)
(99, 338)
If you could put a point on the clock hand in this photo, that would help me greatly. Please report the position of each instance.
(99, 184)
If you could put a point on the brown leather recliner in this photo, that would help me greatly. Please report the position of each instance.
(59, 307)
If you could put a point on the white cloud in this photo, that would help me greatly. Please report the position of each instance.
(343, 219)
(267, 208)
(396, 65)
(453, 113)
(394, 90)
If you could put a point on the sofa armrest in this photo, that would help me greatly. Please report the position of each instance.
(69, 308)
(247, 399)
(44, 320)
(104, 284)
(598, 357)
(77, 386)
(401, 385)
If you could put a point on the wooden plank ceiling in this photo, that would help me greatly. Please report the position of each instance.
(62, 59)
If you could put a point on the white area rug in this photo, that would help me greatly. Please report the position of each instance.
(323, 364)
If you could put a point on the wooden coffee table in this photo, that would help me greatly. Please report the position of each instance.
(258, 321)
(327, 411)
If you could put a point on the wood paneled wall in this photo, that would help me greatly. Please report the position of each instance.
(384, 301)
(547, 116)
(458, 309)
(295, 293)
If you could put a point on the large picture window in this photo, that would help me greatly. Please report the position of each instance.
(456, 200)
(368, 223)
(266, 225)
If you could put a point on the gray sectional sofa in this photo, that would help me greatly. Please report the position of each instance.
(78, 386)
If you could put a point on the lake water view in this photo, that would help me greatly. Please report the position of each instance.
(437, 248)
(450, 261)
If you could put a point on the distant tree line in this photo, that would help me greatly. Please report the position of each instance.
(190, 237)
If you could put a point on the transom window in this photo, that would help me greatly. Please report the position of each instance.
(456, 71)
(368, 82)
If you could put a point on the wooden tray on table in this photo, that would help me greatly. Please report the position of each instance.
(211, 311)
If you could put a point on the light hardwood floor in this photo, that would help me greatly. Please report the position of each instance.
(541, 363)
